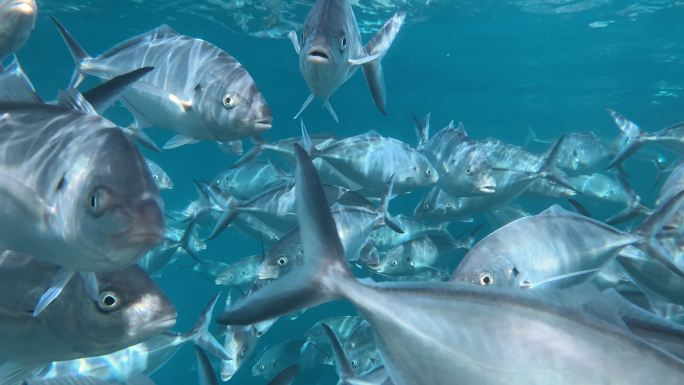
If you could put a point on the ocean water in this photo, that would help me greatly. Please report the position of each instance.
(502, 68)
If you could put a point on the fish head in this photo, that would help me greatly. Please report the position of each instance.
(433, 206)
(110, 192)
(17, 19)
(240, 344)
(470, 172)
(130, 309)
(329, 39)
(421, 174)
(492, 269)
(231, 104)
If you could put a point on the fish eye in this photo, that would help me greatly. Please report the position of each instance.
(469, 171)
(262, 367)
(109, 301)
(353, 363)
(243, 352)
(486, 279)
(426, 206)
(282, 261)
(229, 101)
(428, 172)
(155, 177)
(100, 201)
(343, 43)
(394, 262)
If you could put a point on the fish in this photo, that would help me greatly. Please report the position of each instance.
(632, 138)
(463, 328)
(330, 51)
(240, 343)
(17, 20)
(277, 358)
(431, 251)
(370, 159)
(130, 308)
(250, 179)
(197, 90)
(346, 372)
(560, 249)
(160, 177)
(85, 380)
(385, 238)
(144, 358)
(76, 192)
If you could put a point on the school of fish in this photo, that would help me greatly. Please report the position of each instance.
(469, 288)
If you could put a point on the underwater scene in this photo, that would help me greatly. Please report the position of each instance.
(357, 192)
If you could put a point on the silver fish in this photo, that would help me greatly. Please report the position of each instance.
(556, 248)
(464, 331)
(76, 192)
(286, 376)
(331, 51)
(17, 20)
(160, 177)
(250, 179)
(144, 358)
(277, 358)
(130, 309)
(345, 370)
(197, 90)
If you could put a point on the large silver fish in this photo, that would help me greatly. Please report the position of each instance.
(130, 309)
(435, 333)
(197, 90)
(17, 20)
(331, 51)
(75, 191)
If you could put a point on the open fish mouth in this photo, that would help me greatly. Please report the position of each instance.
(263, 125)
(318, 55)
(26, 7)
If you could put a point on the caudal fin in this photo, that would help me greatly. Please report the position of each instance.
(378, 46)
(549, 169)
(384, 206)
(77, 53)
(422, 130)
(631, 138)
(202, 337)
(324, 259)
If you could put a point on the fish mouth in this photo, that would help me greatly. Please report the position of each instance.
(263, 125)
(167, 322)
(136, 238)
(318, 55)
(26, 7)
(487, 189)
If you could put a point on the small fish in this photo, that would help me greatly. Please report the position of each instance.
(370, 159)
(277, 358)
(250, 179)
(160, 177)
(197, 90)
(458, 329)
(345, 370)
(330, 52)
(17, 20)
(129, 309)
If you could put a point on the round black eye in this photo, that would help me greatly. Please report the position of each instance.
(109, 301)
(426, 207)
(343, 42)
(469, 171)
(93, 202)
(282, 261)
(155, 177)
(394, 262)
(353, 363)
(228, 101)
(262, 367)
(486, 279)
(428, 172)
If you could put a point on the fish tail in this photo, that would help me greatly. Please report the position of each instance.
(384, 206)
(634, 207)
(379, 45)
(188, 236)
(202, 337)
(422, 130)
(550, 171)
(324, 274)
(632, 138)
(653, 226)
(230, 212)
(77, 53)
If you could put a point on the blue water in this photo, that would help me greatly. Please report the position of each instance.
(500, 67)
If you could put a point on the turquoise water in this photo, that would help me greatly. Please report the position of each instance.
(500, 67)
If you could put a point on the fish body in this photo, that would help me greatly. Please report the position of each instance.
(17, 20)
(250, 179)
(160, 177)
(197, 90)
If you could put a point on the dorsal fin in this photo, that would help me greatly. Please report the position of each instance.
(15, 86)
